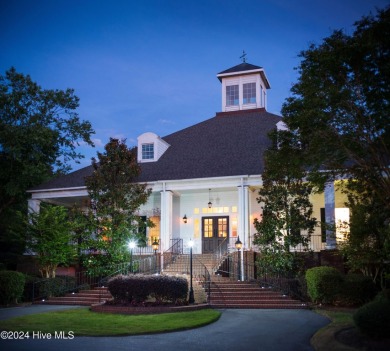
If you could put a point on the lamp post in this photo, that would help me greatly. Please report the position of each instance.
(191, 298)
(131, 247)
(238, 245)
(155, 248)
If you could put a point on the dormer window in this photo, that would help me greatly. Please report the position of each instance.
(150, 147)
(147, 151)
(232, 95)
(249, 93)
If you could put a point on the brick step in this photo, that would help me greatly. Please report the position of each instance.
(258, 306)
(69, 302)
(221, 299)
(250, 297)
(239, 288)
(90, 295)
(82, 298)
(225, 293)
(96, 291)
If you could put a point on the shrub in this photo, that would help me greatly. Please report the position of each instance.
(31, 283)
(323, 284)
(118, 288)
(177, 289)
(137, 288)
(11, 286)
(356, 290)
(383, 295)
(57, 286)
(373, 319)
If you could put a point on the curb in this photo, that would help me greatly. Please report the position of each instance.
(324, 339)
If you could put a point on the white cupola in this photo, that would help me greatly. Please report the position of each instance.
(244, 87)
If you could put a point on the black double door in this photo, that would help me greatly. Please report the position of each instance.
(214, 231)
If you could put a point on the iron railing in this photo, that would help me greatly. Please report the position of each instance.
(220, 253)
(170, 256)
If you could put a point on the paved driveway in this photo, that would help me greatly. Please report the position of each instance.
(263, 330)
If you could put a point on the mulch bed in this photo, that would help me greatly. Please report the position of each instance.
(352, 337)
(148, 309)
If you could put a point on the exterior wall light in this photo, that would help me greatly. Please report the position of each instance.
(185, 219)
(210, 203)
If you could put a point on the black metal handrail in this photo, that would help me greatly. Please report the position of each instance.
(220, 253)
(170, 255)
(288, 284)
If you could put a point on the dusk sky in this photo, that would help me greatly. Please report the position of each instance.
(151, 66)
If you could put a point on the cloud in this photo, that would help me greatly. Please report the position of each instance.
(166, 121)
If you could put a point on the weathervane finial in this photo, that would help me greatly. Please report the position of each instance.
(243, 56)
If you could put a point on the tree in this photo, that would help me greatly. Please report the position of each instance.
(287, 211)
(339, 110)
(50, 237)
(341, 103)
(39, 132)
(115, 199)
(367, 249)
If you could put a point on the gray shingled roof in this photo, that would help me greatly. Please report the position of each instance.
(229, 144)
(241, 68)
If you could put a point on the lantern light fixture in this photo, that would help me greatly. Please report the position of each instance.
(210, 203)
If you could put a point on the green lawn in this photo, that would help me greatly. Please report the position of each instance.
(84, 322)
(338, 317)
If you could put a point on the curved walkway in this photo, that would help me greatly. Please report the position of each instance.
(237, 329)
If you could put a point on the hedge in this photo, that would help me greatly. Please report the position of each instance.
(323, 284)
(373, 319)
(11, 287)
(356, 290)
(48, 287)
(327, 285)
(137, 288)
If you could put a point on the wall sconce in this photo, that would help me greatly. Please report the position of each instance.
(210, 203)
(185, 219)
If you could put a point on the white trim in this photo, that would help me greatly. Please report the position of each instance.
(57, 189)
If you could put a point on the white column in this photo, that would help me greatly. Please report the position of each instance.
(330, 215)
(34, 206)
(240, 215)
(246, 241)
(166, 219)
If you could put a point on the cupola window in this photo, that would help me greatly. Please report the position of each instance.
(232, 95)
(249, 93)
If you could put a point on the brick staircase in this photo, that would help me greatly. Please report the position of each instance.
(182, 264)
(226, 293)
(82, 298)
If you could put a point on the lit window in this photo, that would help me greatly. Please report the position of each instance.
(249, 93)
(147, 151)
(232, 95)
